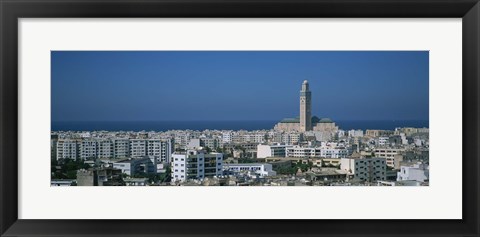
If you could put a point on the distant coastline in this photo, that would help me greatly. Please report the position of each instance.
(220, 125)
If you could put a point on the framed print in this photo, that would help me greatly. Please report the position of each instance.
(172, 118)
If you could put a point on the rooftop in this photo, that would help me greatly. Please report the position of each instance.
(246, 164)
(325, 120)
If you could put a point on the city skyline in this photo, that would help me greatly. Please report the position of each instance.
(307, 148)
(202, 85)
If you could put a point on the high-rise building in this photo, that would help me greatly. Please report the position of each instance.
(88, 149)
(67, 149)
(305, 108)
(121, 148)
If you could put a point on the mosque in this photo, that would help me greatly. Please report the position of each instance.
(305, 122)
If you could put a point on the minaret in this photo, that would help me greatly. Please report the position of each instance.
(305, 108)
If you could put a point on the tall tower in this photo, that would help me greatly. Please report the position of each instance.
(305, 108)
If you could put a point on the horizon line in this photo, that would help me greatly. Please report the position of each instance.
(232, 120)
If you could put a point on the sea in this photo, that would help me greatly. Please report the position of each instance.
(220, 125)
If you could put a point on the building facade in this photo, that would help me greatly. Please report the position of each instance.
(305, 108)
(260, 169)
(264, 151)
(365, 169)
(417, 172)
(196, 164)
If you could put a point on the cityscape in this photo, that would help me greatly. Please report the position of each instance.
(301, 150)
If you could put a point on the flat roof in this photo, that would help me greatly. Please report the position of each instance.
(246, 164)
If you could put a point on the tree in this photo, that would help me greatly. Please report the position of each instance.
(71, 174)
(286, 170)
(208, 149)
(246, 160)
(165, 177)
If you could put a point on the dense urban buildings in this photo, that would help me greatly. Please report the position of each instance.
(302, 151)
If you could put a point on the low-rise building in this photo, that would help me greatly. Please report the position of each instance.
(261, 169)
(136, 181)
(310, 152)
(389, 154)
(378, 133)
(99, 177)
(196, 164)
(134, 166)
(264, 151)
(417, 172)
(355, 133)
(365, 169)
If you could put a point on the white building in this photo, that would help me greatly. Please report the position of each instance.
(322, 135)
(355, 133)
(227, 137)
(121, 148)
(134, 166)
(193, 144)
(196, 164)
(383, 141)
(300, 152)
(260, 169)
(160, 149)
(258, 137)
(323, 151)
(365, 169)
(138, 147)
(67, 149)
(105, 149)
(291, 138)
(264, 151)
(418, 172)
(209, 142)
(88, 149)
(154, 147)
(334, 152)
(166, 150)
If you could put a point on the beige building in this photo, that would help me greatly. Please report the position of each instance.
(305, 122)
(390, 154)
(305, 108)
(378, 133)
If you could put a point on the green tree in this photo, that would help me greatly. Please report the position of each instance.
(208, 149)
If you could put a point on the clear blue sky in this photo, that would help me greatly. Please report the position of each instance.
(237, 85)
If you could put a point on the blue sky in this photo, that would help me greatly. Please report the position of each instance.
(237, 85)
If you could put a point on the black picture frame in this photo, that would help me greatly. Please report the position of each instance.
(11, 11)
